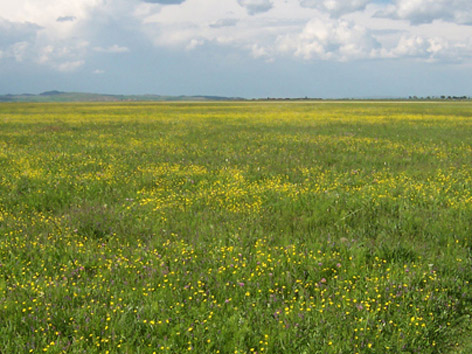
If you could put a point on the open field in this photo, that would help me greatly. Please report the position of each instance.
(236, 228)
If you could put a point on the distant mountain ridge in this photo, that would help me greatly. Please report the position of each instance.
(59, 96)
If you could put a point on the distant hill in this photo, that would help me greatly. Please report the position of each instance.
(58, 96)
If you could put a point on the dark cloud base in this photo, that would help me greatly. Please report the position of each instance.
(66, 19)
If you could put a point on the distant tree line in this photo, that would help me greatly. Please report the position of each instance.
(446, 98)
(412, 98)
(287, 99)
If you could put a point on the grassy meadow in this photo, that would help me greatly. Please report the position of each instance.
(329, 227)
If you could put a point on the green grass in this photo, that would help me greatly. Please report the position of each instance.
(331, 227)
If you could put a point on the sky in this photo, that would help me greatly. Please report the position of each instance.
(238, 48)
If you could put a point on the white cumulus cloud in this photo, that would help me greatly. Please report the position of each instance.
(431, 49)
(69, 65)
(66, 35)
(62, 56)
(337, 40)
(426, 11)
(336, 7)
